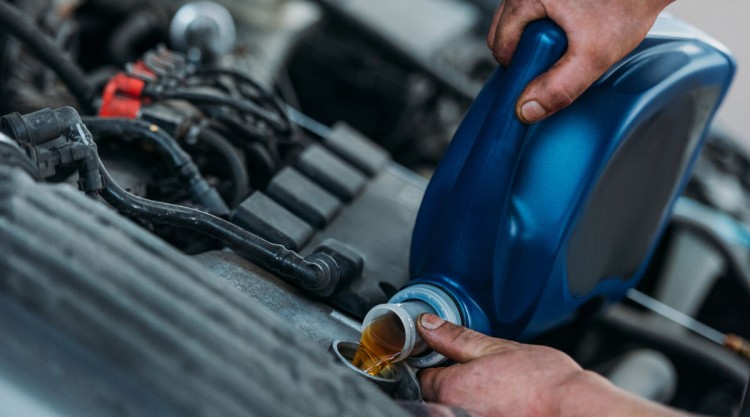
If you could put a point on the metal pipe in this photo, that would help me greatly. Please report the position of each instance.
(675, 315)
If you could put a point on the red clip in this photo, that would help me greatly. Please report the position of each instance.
(122, 97)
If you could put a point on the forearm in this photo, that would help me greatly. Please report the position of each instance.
(591, 395)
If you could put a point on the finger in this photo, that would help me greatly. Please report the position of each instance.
(457, 342)
(561, 85)
(432, 381)
(510, 27)
(493, 26)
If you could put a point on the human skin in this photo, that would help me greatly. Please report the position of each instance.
(600, 32)
(496, 377)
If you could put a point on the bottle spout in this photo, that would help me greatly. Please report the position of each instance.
(394, 324)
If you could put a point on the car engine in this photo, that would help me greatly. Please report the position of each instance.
(201, 201)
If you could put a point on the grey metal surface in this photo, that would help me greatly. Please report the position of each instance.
(314, 318)
(45, 373)
(387, 380)
(159, 316)
(420, 26)
(401, 381)
(377, 224)
(267, 31)
(416, 30)
(203, 28)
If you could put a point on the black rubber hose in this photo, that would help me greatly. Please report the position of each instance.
(241, 76)
(266, 95)
(176, 158)
(128, 129)
(244, 106)
(23, 27)
(318, 273)
(247, 131)
(235, 164)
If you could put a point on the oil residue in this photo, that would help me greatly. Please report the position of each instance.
(382, 341)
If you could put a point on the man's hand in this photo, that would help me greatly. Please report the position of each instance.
(495, 377)
(600, 32)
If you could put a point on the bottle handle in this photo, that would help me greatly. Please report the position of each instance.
(466, 203)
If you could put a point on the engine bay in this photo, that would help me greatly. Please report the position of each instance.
(198, 200)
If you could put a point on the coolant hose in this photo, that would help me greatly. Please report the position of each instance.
(317, 273)
(21, 26)
(179, 161)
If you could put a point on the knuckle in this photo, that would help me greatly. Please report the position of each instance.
(503, 52)
(499, 57)
(462, 335)
(602, 58)
(560, 96)
(596, 55)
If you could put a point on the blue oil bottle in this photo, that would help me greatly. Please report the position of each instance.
(522, 225)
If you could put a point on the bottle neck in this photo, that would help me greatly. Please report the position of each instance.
(403, 311)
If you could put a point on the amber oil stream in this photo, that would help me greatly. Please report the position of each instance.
(382, 341)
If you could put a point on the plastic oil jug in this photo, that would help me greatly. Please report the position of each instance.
(522, 225)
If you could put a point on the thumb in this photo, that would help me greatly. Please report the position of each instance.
(457, 342)
(561, 85)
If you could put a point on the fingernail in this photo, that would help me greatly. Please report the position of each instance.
(531, 111)
(430, 322)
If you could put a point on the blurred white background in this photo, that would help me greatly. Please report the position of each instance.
(727, 21)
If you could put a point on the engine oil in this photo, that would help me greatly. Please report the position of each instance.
(381, 343)
(390, 331)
